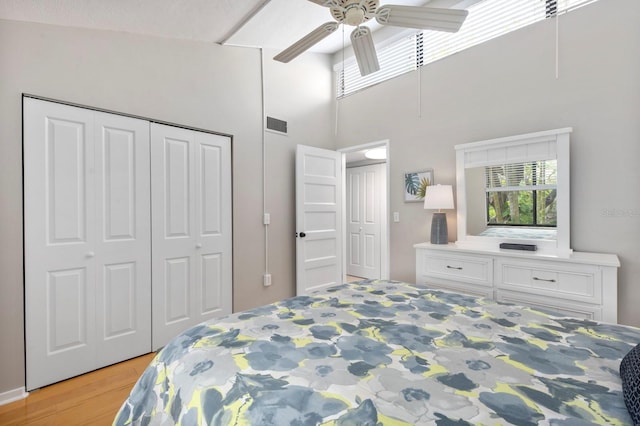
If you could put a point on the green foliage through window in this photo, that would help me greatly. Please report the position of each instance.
(522, 194)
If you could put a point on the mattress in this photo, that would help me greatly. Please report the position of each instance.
(386, 352)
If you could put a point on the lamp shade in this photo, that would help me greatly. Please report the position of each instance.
(438, 197)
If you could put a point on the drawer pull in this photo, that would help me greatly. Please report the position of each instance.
(542, 279)
(459, 268)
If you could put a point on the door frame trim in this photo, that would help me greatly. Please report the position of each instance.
(385, 243)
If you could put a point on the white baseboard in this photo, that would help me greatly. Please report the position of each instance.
(12, 395)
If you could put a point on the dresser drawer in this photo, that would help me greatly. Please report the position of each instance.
(583, 283)
(462, 268)
(552, 306)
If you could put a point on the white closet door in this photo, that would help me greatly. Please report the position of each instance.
(123, 238)
(365, 192)
(191, 204)
(84, 262)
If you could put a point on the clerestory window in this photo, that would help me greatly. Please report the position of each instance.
(487, 19)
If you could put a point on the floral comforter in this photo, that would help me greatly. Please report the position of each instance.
(386, 352)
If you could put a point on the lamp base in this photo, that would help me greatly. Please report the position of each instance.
(439, 232)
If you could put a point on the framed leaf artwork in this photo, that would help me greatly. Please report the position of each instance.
(415, 185)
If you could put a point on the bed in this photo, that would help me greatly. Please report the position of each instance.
(386, 352)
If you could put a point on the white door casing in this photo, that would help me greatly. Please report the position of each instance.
(191, 202)
(366, 195)
(86, 215)
(318, 218)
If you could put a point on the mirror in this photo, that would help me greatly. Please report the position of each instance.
(515, 190)
(516, 200)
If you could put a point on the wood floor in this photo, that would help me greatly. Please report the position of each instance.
(91, 399)
(351, 279)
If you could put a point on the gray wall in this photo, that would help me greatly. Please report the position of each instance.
(506, 87)
(195, 84)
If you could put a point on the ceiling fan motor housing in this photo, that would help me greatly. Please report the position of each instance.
(354, 12)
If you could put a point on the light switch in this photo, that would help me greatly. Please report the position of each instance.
(396, 216)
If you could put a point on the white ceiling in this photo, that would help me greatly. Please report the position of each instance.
(276, 25)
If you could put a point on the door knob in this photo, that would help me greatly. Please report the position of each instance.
(91, 254)
(302, 235)
(199, 245)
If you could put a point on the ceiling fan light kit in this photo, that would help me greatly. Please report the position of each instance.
(356, 12)
(353, 12)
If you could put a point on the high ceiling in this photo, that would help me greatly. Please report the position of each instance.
(273, 24)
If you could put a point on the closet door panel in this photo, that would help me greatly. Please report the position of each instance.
(119, 183)
(212, 284)
(209, 180)
(172, 199)
(177, 286)
(87, 240)
(66, 310)
(123, 311)
(120, 283)
(66, 180)
(191, 204)
(177, 179)
(59, 241)
(213, 210)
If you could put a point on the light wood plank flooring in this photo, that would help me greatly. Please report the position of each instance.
(91, 399)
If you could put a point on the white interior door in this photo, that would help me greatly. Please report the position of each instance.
(366, 192)
(318, 218)
(191, 204)
(86, 180)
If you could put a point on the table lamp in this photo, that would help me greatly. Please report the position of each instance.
(439, 197)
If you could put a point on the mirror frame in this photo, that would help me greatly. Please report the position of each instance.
(550, 144)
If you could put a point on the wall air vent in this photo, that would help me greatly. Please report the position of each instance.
(276, 125)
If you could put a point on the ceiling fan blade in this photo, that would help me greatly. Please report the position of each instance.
(424, 18)
(365, 51)
(306, 42)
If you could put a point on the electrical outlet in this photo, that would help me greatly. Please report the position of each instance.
(266, 280)
(396, 216)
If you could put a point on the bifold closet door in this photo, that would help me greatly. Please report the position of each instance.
(191, 230)
(87, 239)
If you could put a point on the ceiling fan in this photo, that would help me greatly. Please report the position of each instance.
(356, 12)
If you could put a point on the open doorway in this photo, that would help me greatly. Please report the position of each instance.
(365, 212)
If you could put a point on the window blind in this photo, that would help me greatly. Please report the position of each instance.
(527, 176)
(487, 19)
(395, 59)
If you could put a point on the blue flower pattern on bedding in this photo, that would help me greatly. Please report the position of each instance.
(386, 352)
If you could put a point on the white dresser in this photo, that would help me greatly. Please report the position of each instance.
(582, 285)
